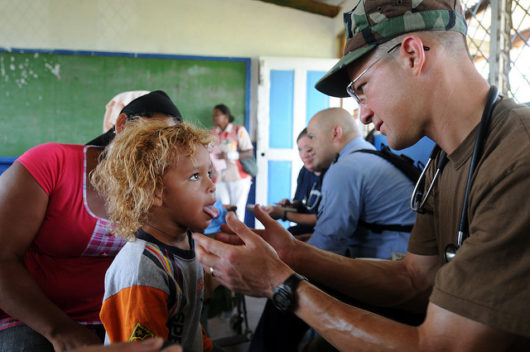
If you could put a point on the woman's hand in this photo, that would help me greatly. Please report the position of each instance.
(73, 337)
(221, 156)
(149, 345)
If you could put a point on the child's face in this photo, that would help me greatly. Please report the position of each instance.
(189, 193)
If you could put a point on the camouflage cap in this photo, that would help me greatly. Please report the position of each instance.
(373, 22)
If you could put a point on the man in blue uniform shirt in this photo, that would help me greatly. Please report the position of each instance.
(364, 210)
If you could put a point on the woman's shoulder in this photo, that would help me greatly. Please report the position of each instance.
(50, 152)
(51, 149)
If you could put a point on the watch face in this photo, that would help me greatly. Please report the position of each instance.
(281, 298)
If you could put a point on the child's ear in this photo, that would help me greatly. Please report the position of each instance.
(157, 201)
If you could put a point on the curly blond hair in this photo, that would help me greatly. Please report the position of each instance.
(131, 169)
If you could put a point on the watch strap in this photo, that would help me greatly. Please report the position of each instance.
(284, 295)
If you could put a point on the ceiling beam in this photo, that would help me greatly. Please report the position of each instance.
(308, 6)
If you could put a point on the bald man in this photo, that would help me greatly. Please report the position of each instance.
(364, 210)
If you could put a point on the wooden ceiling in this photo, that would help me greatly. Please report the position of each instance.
(328, 8)
(331, 8)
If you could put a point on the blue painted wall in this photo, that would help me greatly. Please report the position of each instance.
(315, 101)
(418, 152)
(281, 107)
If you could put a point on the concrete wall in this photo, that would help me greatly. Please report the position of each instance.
(240, 28)
(246, 28)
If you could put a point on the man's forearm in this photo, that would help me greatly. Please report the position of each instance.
(345, 326)
(382, 283)
(301, 218)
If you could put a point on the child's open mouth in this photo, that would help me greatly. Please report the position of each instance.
(211, 210)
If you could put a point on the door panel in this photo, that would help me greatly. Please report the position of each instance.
(287, 100)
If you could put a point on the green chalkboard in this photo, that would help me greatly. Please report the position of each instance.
(61, 96)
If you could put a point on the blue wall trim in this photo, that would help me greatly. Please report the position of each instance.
(126, 54)
(279, 179)
(5, 162)
(281, 105)
(315, 100)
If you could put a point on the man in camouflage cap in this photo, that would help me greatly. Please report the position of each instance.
(407, 65)
(372, 23)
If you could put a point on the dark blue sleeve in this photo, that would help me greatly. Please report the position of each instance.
(302, 185)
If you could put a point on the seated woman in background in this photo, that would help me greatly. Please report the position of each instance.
(232, 145)
(156, 180)
(304, 207)
(57, 242)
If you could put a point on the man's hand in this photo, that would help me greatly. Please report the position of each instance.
(285, 203)
(275, 234)
(252, 268)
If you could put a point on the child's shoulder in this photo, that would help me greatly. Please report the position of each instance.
(141, 252)
(138, 263)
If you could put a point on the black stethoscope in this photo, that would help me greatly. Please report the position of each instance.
(417, 200)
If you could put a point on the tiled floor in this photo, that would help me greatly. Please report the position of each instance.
(219, 327)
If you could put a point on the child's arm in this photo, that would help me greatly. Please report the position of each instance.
(135, 313)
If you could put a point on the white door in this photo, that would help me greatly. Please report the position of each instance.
(287, 99)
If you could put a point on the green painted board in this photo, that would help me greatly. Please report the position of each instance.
(61, 96)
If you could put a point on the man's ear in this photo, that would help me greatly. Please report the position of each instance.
(412, 53)
(337, 133)
(120, 122)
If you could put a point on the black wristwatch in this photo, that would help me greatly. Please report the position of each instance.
(283, 296)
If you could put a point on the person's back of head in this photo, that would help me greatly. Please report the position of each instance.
(331, 118)
(302, 134)
(116, 104)
(147, 106)
(130, 175)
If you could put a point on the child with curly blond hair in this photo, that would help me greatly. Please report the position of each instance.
(156, 179)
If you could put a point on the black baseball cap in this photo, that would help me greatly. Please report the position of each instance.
(156, 102)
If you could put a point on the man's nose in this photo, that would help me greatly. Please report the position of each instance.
(366, 114)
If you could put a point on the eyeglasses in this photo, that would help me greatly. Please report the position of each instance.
(358, 94)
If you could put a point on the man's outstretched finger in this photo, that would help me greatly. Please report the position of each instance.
(206, 258)
(211, 245)
(228, 238)
(226, 229)
(263, 216)
(241, 230)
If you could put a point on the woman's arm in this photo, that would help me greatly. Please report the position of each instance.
(23, 205)
(245, 154)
